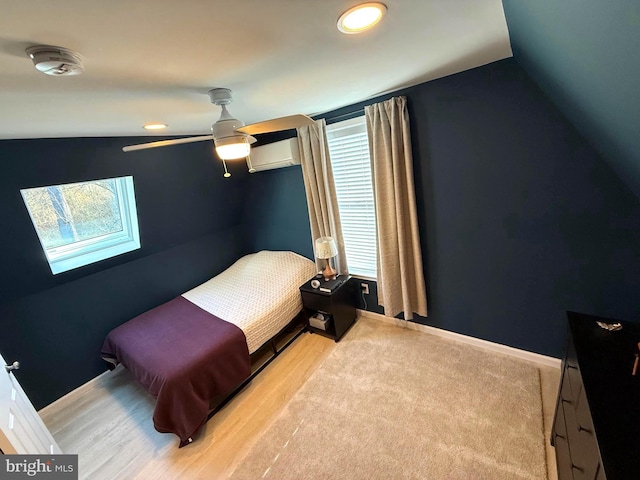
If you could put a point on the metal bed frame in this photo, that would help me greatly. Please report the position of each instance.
(299, 319)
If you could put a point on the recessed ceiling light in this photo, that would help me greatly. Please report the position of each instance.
(154, 126)
(361, 17)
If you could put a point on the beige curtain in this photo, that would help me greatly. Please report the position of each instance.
(320, 189)
(401, 286)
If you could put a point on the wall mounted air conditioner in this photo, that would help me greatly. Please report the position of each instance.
(275, 155)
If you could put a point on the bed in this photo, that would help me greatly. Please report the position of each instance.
(197, 347)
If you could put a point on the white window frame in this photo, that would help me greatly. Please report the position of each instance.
(78, 254)
(361, 263)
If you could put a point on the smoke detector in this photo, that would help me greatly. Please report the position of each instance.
(55, 61)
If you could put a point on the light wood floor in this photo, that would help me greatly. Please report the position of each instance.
(108, 423)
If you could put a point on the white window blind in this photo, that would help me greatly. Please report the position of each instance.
(349, 151)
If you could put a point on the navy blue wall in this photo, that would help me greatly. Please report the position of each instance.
(524, 220)
(275, 213)
(189, 218)
(520, 218)
(585, 56)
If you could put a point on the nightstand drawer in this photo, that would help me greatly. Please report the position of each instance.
(317, 302)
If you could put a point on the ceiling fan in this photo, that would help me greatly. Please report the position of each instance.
(231, 137)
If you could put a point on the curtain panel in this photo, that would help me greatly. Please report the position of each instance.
(320, 189)
(401, 286)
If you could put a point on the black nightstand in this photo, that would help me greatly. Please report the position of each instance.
(337, 307)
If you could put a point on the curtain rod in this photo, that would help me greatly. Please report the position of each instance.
(344, 116)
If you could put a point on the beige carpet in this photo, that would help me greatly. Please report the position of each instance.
(393, 403)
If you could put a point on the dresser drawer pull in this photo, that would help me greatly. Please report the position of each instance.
(575, 467)
(570, 402)
(572, 366)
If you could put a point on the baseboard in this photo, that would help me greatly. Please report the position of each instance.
(457, 337)
(93, 383)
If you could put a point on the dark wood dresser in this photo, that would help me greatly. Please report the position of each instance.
(596, 430)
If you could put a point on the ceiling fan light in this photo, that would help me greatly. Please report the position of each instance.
(232, 148)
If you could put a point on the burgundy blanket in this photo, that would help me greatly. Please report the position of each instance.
(184, 356)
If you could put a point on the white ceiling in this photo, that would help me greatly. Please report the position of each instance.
(154, 61)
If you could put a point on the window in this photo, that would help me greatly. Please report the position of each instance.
(82, 223)
(349, 151)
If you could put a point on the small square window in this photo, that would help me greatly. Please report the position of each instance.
(85, 222)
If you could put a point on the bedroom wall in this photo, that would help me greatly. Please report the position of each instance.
(585, 56)
(275, 213)
(189, 219)
(520, 218)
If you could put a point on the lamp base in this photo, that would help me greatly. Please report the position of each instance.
(329, 273)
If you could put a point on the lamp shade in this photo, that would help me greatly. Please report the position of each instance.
(326, 247)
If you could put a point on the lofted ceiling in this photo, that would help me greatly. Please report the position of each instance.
(585, 56)
(155, 61)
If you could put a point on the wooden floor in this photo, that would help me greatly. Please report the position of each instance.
(108, 422)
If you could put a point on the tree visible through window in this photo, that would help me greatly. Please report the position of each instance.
(81, 223)
(65, 214)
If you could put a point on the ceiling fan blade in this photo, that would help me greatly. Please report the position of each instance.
(277, 124)
(164, 143)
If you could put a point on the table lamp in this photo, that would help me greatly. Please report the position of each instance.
(326, 249)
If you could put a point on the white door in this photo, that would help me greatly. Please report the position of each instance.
(22, 431)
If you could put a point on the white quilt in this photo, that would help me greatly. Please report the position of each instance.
(258, 293)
